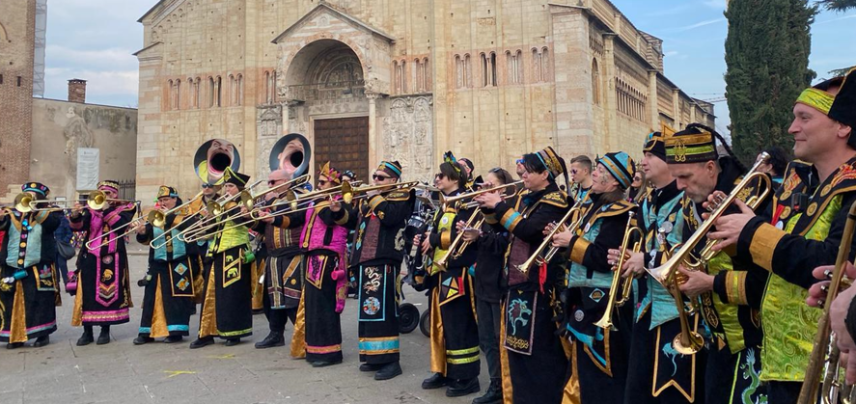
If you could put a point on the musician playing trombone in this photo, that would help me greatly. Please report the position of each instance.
(657, 372)
(103, 295)
(535, 357)
(454, 332)
(198, 260)
(728, 292)
(808, 217)
(602, 347)
(29, 290)
(169, 288)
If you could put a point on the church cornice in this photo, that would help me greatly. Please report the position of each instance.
(324, 7)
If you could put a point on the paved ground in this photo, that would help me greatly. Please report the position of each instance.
(171, 373)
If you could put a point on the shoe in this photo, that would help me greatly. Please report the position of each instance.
(321, 364)
(388, 371)
(435, 382)
(42, 341)
(85, 339)
(233, 341)
(365, 367)
(14, 345)
(460, 388)
(493, 394)
(141, 340)
(201, 342)
(103, 338)
(273, 339)
(172, 339)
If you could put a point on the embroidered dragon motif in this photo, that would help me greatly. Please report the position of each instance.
(672, 354)
(750, 373)
(517, 309)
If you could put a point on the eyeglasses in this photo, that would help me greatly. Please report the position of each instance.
(380, 177)
(441, 176)
(207, 186)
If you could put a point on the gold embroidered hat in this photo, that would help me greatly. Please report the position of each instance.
(235, 178)
(695, 144)
(392, 168)
(330, 173)
(656, 145)
(164, 190)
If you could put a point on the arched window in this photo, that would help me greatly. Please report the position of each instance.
(545, 64)
(170, 99)
(403, 77)
(468, 72)
(266, 98)
(239, 98)
(536, 65)
(197, 92)
(459, 72)
(212, 89)
(595, 82)
(426, 71)
(418, 84)
(219, 95)
(178, 94)
(396, 81)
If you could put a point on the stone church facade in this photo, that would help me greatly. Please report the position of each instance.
(366, 80)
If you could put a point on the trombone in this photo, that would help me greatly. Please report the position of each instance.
(456, 249)
(446, 201)
(219, 207)
(665, 274)
(825, 352)
(614, 300)
(548, 240)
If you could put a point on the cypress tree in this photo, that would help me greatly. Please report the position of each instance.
(766, 54)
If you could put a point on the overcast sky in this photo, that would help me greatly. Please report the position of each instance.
(94, 39)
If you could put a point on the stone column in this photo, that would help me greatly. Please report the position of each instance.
(611, 98)
(375, 149)
(284, 117)
(653, 100)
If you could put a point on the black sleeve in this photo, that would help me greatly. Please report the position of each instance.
(146, 237)
(530, 229)
(594, 253)
(341, 218)
(52, 222)
(443, 239)
(394, 212)
(792, 256)
(850, 320)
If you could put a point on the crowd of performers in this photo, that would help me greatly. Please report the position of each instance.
(557, 279)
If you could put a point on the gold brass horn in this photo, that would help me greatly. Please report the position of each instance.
(665, 274)
(456, 249)
(825, 352)
(548, 240)
(688, 341)
(619, 293)
(446, 201)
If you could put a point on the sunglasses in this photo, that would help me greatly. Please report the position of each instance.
(207, 186)
(380, 177)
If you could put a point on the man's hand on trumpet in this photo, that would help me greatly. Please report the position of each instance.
(634, 263)
(470, 234)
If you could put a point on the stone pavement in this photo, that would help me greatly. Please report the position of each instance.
(172, 373)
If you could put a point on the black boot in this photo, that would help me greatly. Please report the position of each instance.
(273, 339)
(463, 387)
(201, 342)
(141, 340)
(104, 336)
(172, 339)
(325, 363)
(493, 394)
(232, 341)
(388, 371)
(435, 382)
(86, 338)
(14, 345)
(42, 341)
(365, 367)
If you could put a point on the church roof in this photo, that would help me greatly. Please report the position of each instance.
(324, 7)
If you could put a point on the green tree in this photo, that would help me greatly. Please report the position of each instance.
(766, 54)
(837, 5)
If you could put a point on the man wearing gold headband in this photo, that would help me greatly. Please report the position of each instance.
(808, 216)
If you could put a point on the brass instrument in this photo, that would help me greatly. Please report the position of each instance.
(465, 244)
(618, 297)
(688, 342)
(446, 201)
(665, 274)
(223, 205)
(455, 250)
(548, 240)
(825, 352)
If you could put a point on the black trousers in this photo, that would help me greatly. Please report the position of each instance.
(278, 318)
(489, 324)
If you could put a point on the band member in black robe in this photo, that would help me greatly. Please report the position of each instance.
(169, 289)
(376, 260)
(535, 357)
(103, 295)
(28, 280)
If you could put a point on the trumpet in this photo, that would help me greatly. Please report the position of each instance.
(548, 240)
(688, 342)
(665, 274)
(825, 352)
(446, 201)
(455, 250)
(617, 297)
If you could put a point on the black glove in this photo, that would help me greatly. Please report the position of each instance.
(145, 281)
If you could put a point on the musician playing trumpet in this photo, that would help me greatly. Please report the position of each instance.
(536, 358)
(809, 213)
(727, 291)
(602, 353)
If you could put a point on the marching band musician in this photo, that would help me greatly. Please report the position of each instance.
(601, 355)
(325, 238)
(454, 332)
(581, 168)
(808, 216)
(283, 276)
(169, 289)
(103, 294)
(657, 372)
(489, 288)
(534, 356)
(227, 306)
(729, 290)
(29, 291)
(376, 259)
(198, 255)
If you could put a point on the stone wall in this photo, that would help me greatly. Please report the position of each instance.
(61, 127)
(17, 36)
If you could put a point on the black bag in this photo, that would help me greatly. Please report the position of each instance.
(66, 250)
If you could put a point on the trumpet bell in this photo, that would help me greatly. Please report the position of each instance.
(24, 203)
(696, 342)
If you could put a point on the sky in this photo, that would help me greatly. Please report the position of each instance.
(94, 40)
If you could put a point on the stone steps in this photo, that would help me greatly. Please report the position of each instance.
(12, 191)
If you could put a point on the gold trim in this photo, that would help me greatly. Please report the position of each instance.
(571, 393)
(208, 317)
(654, 391)
(763, 245)
(505, 370)
(18, 324)
(445, 238)
(298, 336)
(438, 345)
(77, 311)
(158, 326)
(578, 251)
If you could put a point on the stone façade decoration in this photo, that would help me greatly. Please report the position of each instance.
(408, 133)
(269, 130)
(77, 135)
